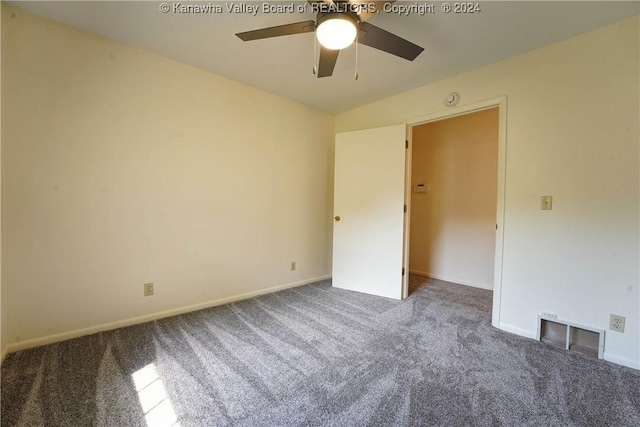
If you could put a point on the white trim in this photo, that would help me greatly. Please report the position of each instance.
(461, 110)
(452, 280)
(500, 211)
(23, 345)
(629, 363)
(407, 214)
(3, 355)
(517, 330)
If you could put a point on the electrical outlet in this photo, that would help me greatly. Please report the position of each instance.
(293, 266)
(616, 322)
(148, 289)
(546, 203)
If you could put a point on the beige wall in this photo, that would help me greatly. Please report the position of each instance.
(120, 167)
(453, 224)
(572, 121)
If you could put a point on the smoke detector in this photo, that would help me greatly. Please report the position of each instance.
(452, 99)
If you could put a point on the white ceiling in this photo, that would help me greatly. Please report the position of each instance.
(454, 43)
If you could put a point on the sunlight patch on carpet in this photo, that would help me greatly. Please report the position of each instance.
(154, 399)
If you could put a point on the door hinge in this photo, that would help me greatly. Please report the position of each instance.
(496, 226)
(405, 208)
(403, 271)
(406, 144)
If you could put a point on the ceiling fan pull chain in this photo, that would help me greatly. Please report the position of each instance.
(356, 54)
(315, 47)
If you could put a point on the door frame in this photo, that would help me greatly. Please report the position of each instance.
(461, 110)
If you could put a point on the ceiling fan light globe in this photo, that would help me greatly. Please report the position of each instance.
(337, 32)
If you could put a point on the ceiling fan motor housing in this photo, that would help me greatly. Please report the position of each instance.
(326, 16)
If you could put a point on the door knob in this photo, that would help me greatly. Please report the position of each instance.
(337, 218)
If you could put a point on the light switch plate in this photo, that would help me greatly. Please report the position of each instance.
(420, 188)
(148, 289)
(546, 203)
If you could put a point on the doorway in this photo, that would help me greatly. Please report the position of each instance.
(357, 191)
(454, 199)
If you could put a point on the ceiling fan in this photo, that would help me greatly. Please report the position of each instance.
(338, 24)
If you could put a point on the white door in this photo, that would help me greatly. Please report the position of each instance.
(368, 227)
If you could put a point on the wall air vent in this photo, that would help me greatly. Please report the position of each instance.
(571, 336)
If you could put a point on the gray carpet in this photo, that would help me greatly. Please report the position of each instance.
(316, 355)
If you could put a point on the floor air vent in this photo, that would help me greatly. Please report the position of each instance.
(571, 336)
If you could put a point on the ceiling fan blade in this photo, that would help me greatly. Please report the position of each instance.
(381, 39)
(280, 30)
(367, 11)
(327, 61)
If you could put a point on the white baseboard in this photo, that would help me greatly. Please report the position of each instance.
(3, 355)
(629, 363)
(517, 330)
(36, 342)
(452, 280)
